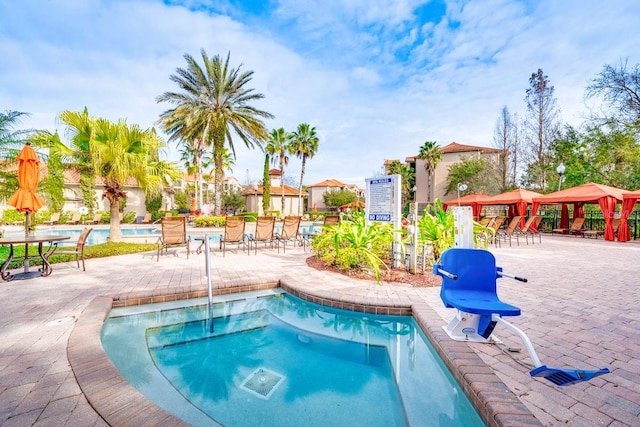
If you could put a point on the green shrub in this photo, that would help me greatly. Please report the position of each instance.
(352, 244)
(209, 221)
(11, 215)
(249, 216)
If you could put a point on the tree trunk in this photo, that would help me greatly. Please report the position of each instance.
(282, 190)
(115, 233)
(304, 160)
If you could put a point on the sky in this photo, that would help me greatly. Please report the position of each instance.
(376, 78)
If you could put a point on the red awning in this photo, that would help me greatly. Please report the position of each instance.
(605, 196)
(475, 200)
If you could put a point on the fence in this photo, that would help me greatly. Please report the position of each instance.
(593, 221)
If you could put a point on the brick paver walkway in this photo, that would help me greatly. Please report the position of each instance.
(580, 309)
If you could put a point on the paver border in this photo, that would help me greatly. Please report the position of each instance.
(119, 403)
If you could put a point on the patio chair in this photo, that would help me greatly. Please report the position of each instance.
(577, 227)
(531, 229)
(510, 231)
(265, 226)
(97, 219)
(54, 219)
(289, 232)
(595, 233)
(147, 219)
(494, 227)
(174, 235)
(329, 220)
(234, 234)
(75, 219)
(78, 251)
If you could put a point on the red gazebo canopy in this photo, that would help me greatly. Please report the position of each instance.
(605, 196)
(475, 200)
(518, 200)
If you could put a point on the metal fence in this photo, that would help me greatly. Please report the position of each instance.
(593, 221)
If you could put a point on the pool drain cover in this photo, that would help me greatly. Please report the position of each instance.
(262, 383)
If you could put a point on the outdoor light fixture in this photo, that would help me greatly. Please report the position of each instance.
(461, 187)
(560, 169)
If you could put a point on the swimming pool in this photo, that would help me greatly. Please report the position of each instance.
(97, 236)
(274, 359)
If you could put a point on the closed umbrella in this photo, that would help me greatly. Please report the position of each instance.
(25, 199)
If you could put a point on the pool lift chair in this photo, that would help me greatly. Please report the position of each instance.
(469, 285)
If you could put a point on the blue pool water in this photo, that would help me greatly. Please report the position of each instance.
(97, 236)
(276, 360)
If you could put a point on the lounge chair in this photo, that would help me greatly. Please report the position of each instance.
(54, 219)
(174, 235)
(531, 229)
(289, 232)
(494, 228)
(595, 233)
(265, 226)
(577, 227)
(97, 219)
(78, 251)
(147, 219)
(510, 231)
(75, 219)
(486, 221)
(234, 234)
(329, 220)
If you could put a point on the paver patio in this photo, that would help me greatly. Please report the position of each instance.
(580, 309)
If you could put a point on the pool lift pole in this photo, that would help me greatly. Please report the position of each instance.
(467, 326)
(207, 263)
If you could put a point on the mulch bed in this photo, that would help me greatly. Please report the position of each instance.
(395, 276)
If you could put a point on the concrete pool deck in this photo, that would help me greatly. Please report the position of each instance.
(581, 308)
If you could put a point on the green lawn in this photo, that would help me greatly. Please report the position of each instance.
(94, 251)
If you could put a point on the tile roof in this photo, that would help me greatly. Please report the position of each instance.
(329, 183)
(275, 191)
(455, 147)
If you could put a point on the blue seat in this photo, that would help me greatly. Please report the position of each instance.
(474, 289)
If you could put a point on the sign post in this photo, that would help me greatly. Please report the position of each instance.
(384, 204)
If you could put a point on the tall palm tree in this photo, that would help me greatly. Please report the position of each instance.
(430, 153)
(214, 102)
(80, 127)
(304, 145)
(279, 147)
(120, 152)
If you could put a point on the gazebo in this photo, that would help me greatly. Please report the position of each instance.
(475, 200)
(605, 196)
(628, 201)
(517, 200)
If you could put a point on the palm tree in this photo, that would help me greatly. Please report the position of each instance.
(214, 102)
(407, 176)
(430, 153)
(304, 146)
(80, 129)
(120, 152)
(278, 147)
(11, 142)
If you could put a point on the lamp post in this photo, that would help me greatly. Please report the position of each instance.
(461, 187)
(560, 169)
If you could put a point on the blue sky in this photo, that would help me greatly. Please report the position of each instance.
(376, 78)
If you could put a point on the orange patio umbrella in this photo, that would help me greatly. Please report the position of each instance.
(25, 199)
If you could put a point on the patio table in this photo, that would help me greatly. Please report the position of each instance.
(44, 255)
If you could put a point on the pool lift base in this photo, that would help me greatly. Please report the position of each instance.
(479, 310)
